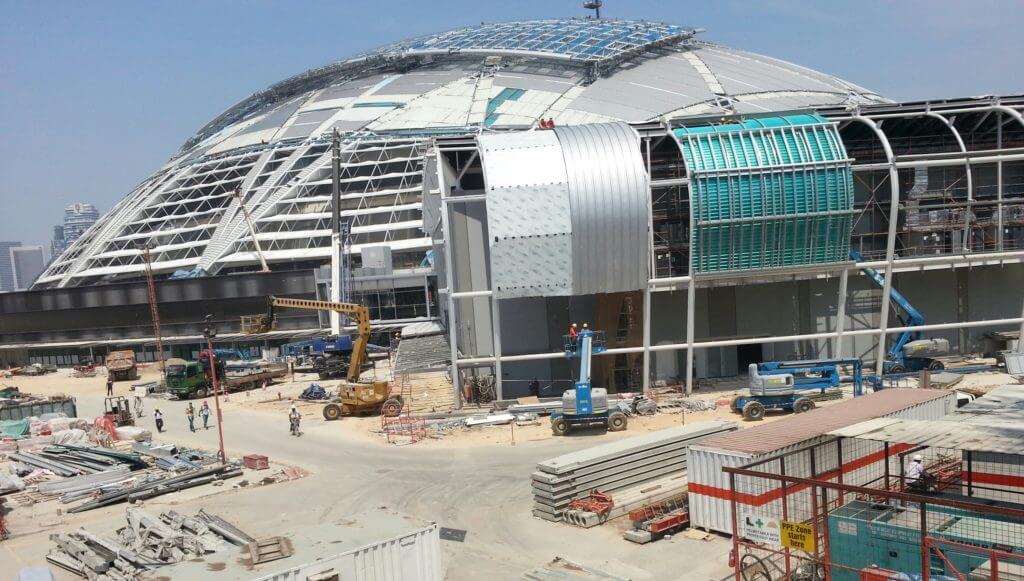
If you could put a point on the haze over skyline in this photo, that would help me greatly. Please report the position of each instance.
(94, 97)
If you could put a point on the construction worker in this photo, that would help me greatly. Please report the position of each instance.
(204, 412)
(190, 413)
(159, 417)
(915, 475)
(586, 326)
(110, 387)
(293, 420)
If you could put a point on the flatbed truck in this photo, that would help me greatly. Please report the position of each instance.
(192, 379)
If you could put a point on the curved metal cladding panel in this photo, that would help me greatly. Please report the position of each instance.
(528, 222)
(768, 192)
(608, 194)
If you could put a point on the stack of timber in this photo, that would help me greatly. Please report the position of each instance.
(641, 469)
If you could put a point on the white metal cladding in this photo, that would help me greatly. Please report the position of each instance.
(528, 216)
(709, 485)
(608, 194)
(412, 557)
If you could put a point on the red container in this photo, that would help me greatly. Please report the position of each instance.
(256, 462)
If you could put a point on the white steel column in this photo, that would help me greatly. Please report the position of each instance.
(691, 297)
(890, 242)
(999, 190)
(841, 314)
(651, 270)
(496, 330)
(336, 248)
(449, 276)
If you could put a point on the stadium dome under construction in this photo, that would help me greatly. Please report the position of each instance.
(272, 151)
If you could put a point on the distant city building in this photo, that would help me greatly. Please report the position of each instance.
(7, 266)
(57, 244)
(78, 218)
(28, 263)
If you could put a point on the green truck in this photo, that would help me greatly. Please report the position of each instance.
(189, 379)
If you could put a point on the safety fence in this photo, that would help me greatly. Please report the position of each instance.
(848, 509)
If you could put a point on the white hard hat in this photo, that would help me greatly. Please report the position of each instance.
(918, 458)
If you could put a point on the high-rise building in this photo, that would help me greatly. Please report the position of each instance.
(78, 217)
(57, 244)
(28, 263)
(7, 266)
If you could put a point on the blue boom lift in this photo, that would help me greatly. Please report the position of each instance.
(794, 385)
(585, 406)
(909, 352)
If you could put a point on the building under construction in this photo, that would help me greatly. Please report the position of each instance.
(696, 202)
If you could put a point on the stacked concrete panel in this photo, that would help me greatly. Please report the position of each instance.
(620, 466)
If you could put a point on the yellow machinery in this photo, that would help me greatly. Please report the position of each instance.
(356, 397)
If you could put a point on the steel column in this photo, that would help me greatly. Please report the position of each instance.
(651, 271)
(841, 313)
(999, 186)
(890, 243)
(336, 248)
(691, 298)
(449, 275)
(496, 333)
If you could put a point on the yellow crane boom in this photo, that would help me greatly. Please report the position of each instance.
(267, 322)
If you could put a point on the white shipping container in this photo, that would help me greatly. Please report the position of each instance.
(415, 556)
(377, 546)
(709, 491)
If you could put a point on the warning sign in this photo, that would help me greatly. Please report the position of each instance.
(760, 529)
(797, 536)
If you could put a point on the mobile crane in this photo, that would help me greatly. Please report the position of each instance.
(584, 405)
(909, 352)
(355, 397)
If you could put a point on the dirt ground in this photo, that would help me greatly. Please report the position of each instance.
(276, 399)
(474, 479)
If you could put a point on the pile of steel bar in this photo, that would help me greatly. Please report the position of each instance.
(148, 542)
(615, 467)
(66, 460)
(162, 486)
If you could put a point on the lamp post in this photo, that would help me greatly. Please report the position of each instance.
(210, 332)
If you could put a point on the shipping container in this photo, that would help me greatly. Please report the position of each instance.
(20, 411)
(377, 546)
(709, 491)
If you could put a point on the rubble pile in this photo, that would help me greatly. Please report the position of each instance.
(147, 542)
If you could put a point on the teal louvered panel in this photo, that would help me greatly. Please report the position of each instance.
(768, 192)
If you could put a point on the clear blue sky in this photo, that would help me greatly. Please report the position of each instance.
(96, 95)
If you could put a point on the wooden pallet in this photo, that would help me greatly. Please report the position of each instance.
(270, 549)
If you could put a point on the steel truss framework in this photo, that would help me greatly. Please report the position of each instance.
(190, 218)
(994, 127)
(271, 146)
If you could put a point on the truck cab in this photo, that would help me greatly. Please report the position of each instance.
(185, 378)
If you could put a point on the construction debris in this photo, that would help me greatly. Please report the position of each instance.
(148, 542)
(562, 569)
(653, 521)
(643, 469)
